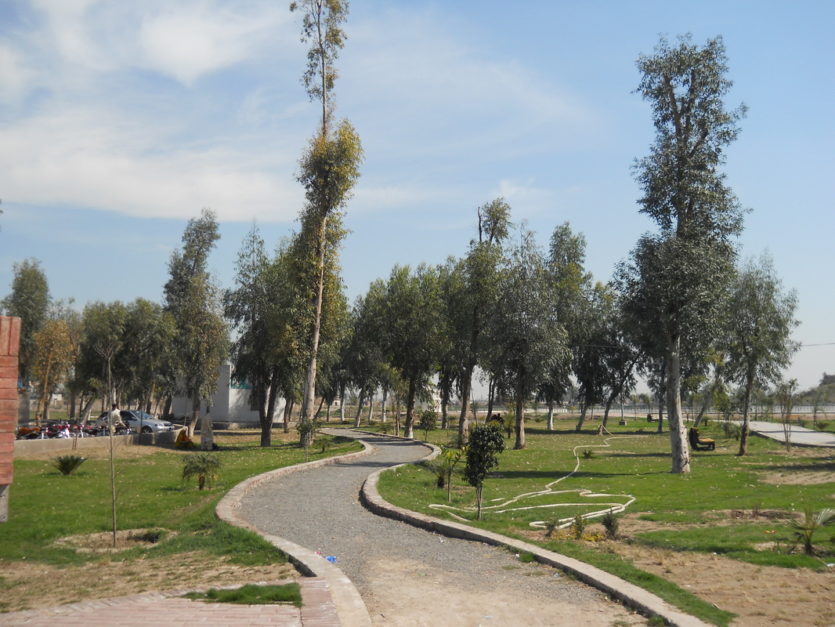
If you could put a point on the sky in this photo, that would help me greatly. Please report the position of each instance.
(120, 121)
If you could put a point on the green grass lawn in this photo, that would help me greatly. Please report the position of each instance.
(45, 505)
(636, 464)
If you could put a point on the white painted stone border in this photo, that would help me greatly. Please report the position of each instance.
(350, 607)
(629, 594)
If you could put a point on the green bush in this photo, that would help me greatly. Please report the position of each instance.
(68, 464)
(203, 466)
(611, 523)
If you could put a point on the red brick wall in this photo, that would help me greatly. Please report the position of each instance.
(9, 343)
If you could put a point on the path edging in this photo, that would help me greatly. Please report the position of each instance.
(350, 607)
(629, 594)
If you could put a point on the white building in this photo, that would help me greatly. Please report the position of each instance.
(231, 403)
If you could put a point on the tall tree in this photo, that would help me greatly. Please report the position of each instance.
(528, 339)
(470, 305)
(200, 340)
(686, 195)
(28, 300)
(566, 257)
(53, 359)
(760, 319)
(329, 167)
(104, 334)
(412, 321)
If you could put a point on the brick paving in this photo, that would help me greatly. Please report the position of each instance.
(169, 608)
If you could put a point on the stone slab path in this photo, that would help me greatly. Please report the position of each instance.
(800, 436)
(408, 576)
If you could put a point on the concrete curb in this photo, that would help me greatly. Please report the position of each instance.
(350, 608)
(629, 594)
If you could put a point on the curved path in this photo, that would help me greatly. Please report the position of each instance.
(408, 576)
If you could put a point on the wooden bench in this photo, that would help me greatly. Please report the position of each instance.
(700, 444)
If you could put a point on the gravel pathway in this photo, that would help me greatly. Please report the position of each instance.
(408, 576)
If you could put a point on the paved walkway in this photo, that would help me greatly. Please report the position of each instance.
(408, 576)
(800, 436)
(169, 608)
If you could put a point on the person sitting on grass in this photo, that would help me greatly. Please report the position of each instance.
(183, 441)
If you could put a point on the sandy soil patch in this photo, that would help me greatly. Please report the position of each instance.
(33, 586)
(473, 605)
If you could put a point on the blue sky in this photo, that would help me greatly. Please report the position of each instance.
(119, 121)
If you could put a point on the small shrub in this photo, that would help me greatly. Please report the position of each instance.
(588, 453)
(578, 526)
(509, 424)
(204, 466)
(428, 422)
(307, 430)
(324, 443)
(68, 464)
(550, 527)
(732, 430)
(821, 426)
(804, 530)
(526, 558)
(611, 523)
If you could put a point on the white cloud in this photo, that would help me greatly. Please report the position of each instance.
(15, 78)
(189, 41)
(95, 159)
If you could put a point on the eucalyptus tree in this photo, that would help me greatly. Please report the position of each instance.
(201, 337)
(589, 351)
(148, 334)
(470, 305)
(570, 284)
(329, 167)
(104, 335)
(412, 318)
(366, 353)
(757, 337)
(686, 195)
(251, 310)
(524, 328)
(450, 278)
(29, 300)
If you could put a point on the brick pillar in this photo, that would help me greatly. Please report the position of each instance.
(9, 344)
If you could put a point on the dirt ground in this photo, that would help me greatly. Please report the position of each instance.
(31, 586)
(433, 597)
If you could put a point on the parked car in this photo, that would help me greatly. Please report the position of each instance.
(139, 421)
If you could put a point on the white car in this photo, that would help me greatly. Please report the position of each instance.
(138, 421)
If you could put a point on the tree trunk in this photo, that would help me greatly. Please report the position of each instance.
(272, 399)
(551, 415)
(608, 407)
(705, 403)
(310, 377)
(288, 410)
(195, 414)
(678, 435)
(478, 492)
(491, 396)
(444, 411)
(746, 404)
(383, 407)
(342, 404)
(360, 401)
(166, 411)
(463, 427)
(410, 406)
(370, 408)
(319, 409)
(583, 408)
(520, 421)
